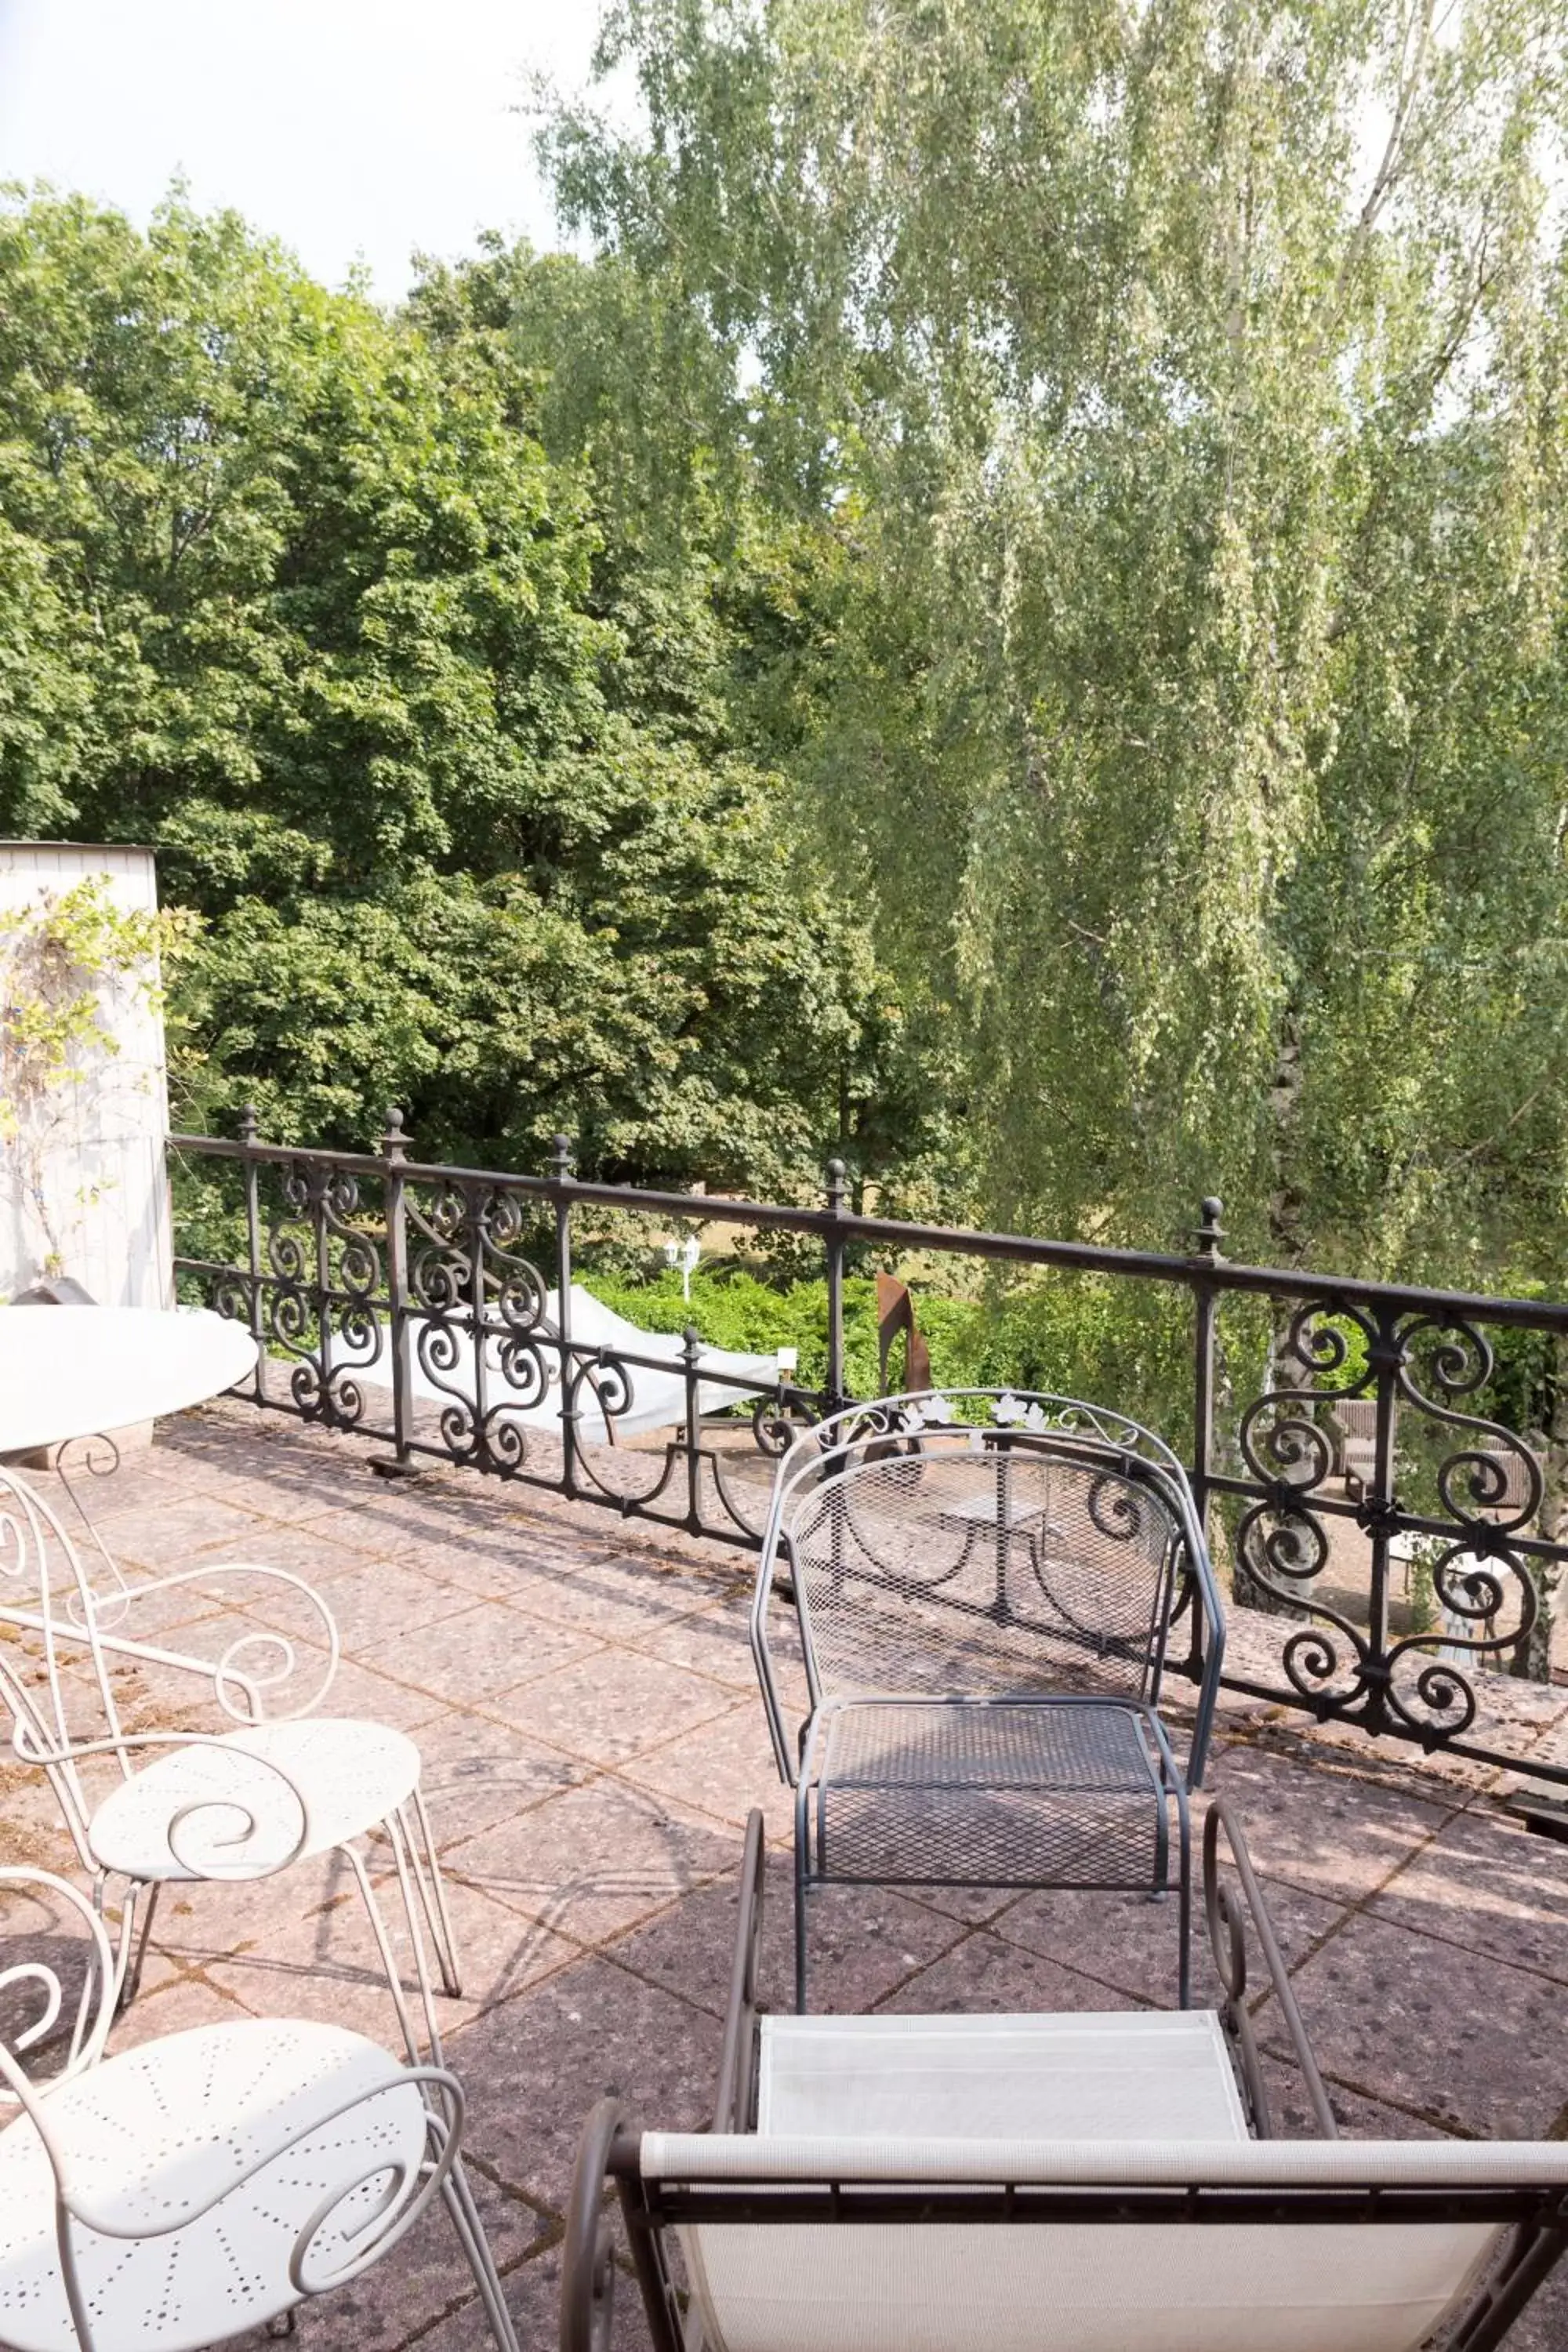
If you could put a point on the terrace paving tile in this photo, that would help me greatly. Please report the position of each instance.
(1544, 2327)
(488, 1566)
(865, 1943)
(296, 1496)
(180, 2002)
(1358, 2118)
(158, 1536)
(533, 2297)
(598, 1860)
(1329, 1832)
(141, 1482)
(468, 1655)
(353, 1523)
(609, 1598)
(712, 1640)
(319, 1559)
(1452, 2034)
(724, 1766)
(534, 2067)
(983, 1973)
(614, 1705)
(1489, 1884)
(374, 1594)
(368, 1695)
(478, 1773)
(327, 1967)
(501, 1951)
(197, 1924)
(1131, 1942)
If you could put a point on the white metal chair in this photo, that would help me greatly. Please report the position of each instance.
(1049, 2184)
(984, 1586)
(204, 2184)
(285, 1786)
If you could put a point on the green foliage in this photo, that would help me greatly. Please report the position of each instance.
(1184, 687)
(1069, 1334)
(292, 592)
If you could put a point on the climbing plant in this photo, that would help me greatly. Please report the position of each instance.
(68, 962)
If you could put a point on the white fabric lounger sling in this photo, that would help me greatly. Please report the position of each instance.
(1073, 2183)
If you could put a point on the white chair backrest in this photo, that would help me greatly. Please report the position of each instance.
(57, 1989)
(66, 1640)
(1217, 2285)
(53, 1668)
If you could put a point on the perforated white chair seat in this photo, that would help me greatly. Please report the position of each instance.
(154, 2133)
(1120, 2075)
(349, 1776)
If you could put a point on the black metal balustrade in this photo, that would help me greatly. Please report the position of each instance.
(359, 1261)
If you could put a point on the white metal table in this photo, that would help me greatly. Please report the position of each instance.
(76, 1371)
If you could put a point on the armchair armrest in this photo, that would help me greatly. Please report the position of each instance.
(241, 1691)
(761, 1654)
(737, 2059)
(1228, 1937)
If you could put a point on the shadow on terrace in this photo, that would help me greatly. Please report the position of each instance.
(583, 1699)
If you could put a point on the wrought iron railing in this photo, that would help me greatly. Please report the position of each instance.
(406, 1301)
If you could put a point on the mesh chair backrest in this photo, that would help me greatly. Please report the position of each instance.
(985, 1563)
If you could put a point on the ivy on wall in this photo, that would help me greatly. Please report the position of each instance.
(68, 962)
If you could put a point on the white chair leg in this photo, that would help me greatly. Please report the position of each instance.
(472, 2236)
(390, 1968)
(124, 1989)
(433, 1895)
(132, 1985)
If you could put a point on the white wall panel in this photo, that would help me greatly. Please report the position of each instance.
(101, 1141)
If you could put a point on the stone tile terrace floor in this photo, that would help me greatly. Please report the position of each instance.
(583, 1694)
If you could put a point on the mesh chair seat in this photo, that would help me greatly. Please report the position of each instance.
(1031, 1793)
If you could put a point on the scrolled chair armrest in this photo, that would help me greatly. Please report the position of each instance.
(241, 1688)
(1228, 1939)
(25, 1747)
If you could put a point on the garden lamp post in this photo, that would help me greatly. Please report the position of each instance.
(685, 1255)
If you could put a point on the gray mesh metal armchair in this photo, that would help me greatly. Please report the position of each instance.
(984, 1586)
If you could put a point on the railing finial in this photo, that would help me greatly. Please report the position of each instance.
(1210, 1232)
(396, 1141)
(561, 1157)
(250, 1125)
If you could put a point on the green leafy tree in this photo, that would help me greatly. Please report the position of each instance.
(293, 592)
(1192, 711)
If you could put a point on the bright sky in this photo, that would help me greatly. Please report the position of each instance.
(352, 128)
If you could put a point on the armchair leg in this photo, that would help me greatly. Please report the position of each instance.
(388, 1958)
(470, 2230)
(433, 1897)
(132, 1983)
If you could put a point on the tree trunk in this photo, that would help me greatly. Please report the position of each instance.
(1532, 1661)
